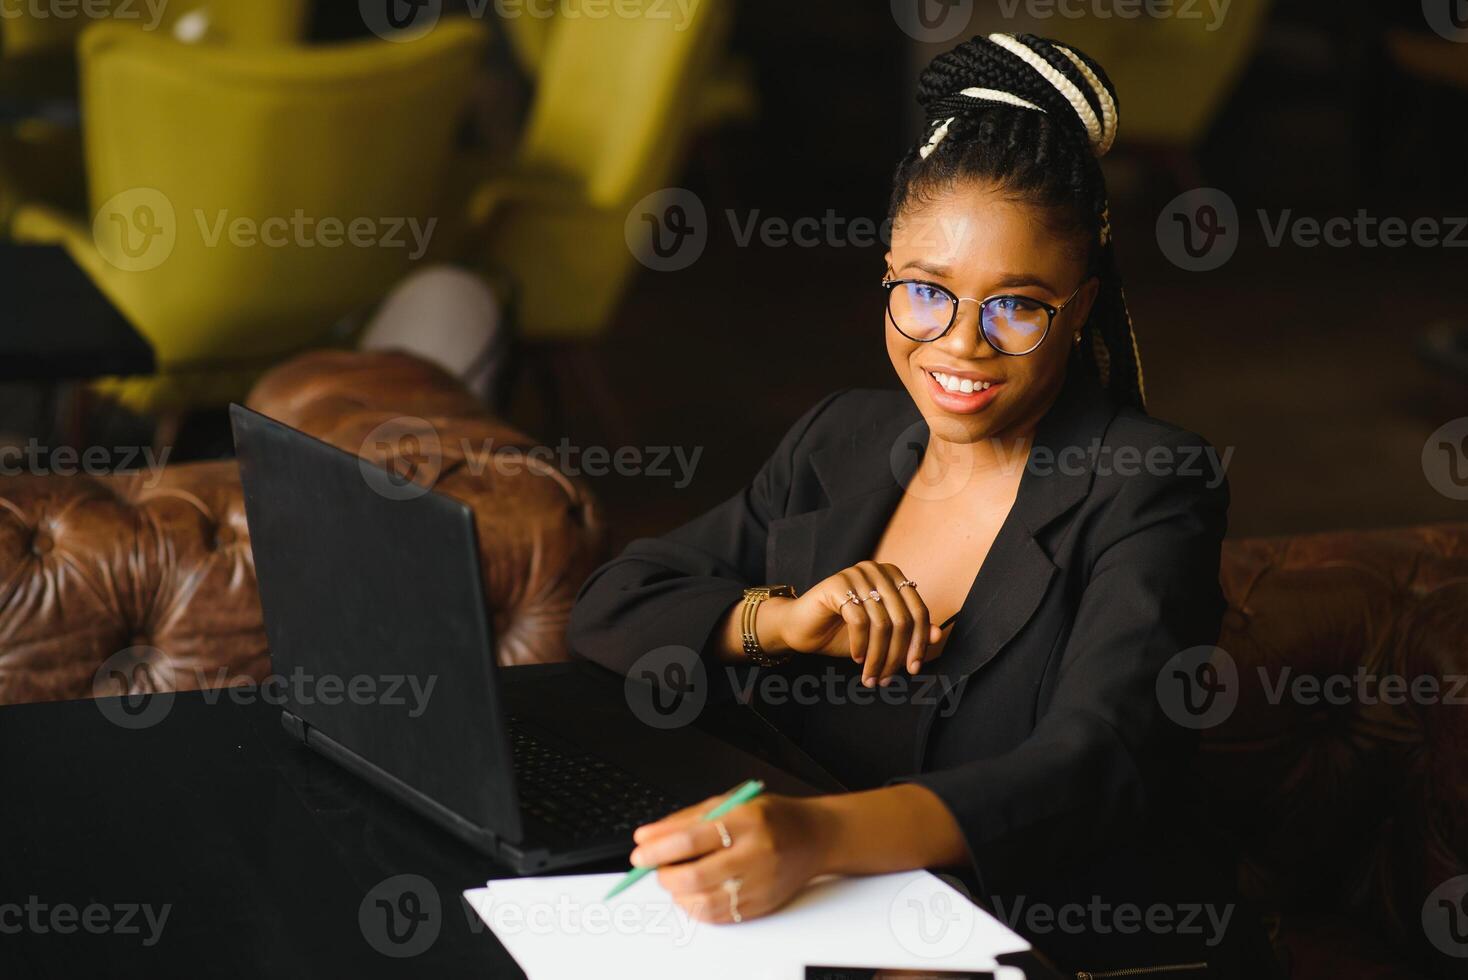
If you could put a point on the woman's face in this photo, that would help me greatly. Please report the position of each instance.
(978, 244)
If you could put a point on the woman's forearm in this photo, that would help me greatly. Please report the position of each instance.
(895, 828)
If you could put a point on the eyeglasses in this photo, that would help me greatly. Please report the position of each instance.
(925, 311)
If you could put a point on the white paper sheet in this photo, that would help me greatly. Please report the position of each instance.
(559, 927)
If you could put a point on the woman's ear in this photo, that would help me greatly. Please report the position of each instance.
(1086, 299)
(887, 259)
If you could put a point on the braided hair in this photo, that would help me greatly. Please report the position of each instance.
(1032, 117)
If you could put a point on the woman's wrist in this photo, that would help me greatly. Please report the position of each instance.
(894, 828)
(769, 620)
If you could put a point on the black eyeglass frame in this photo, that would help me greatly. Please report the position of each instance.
(955, 299)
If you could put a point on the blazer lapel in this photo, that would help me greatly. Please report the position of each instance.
(863, 478)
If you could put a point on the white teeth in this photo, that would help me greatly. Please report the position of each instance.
(963, 385)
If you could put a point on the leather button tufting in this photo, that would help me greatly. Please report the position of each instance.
(42, 544)
(224, 537)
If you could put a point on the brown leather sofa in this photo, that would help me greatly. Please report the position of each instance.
(1350, 812)
(159, 563)
(1350, 800)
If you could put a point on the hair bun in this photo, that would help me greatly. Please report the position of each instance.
(1027, 72)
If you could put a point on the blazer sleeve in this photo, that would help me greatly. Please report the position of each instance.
(1082, 777)
(674, 590)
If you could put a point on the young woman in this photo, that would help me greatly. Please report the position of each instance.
(973, 592)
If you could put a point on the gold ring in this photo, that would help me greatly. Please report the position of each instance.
(851, 596)
(907, 583)
(876, 596)
(731, 887)
(724, 837)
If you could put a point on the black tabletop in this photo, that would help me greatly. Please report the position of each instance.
(212, 845)
(198, 839)
(56, 325)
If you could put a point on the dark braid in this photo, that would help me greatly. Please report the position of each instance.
(1046, 158)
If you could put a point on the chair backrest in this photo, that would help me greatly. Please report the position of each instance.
(249, 198)
(616, 92)
(23, 30)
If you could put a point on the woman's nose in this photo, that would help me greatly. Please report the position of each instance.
(966, 339)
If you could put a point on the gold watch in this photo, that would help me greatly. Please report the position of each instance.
(752, 599)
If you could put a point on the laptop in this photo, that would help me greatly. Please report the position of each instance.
(384, 655)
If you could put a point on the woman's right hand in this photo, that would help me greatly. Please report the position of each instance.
(883, 635)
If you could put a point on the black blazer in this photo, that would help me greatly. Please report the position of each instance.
(1039, 726)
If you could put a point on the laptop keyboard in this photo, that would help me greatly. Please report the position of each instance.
(578, 793)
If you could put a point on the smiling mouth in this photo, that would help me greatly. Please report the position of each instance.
(961, 394)
(959, 384)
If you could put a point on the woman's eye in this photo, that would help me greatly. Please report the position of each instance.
(1006, 303)
(928, 294)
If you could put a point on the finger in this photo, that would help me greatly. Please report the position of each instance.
(687, 843)
(858, 623)
(922, 623)
(882, 575)
(676, 819)
(707, 873)
(879, 626)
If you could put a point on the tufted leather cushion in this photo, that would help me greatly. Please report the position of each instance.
(1349, 810)
(145, 581)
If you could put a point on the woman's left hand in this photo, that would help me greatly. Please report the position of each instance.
(775, 848)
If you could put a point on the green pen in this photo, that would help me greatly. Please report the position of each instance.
(745, 793)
